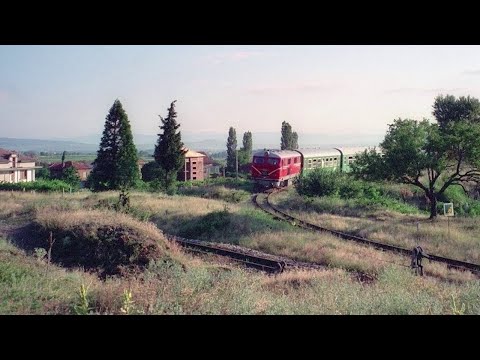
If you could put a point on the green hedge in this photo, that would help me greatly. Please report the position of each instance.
(39, 185)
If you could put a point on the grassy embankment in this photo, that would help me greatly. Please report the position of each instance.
(172, 282)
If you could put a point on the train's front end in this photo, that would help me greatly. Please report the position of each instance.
(265, 168)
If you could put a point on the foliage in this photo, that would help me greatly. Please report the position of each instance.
(83, 303)
(70, 176)
(447, 109)
(318, 182)
(289, 139)
(127, 303)
(429, 156)
(116, 162)
(169, 152)
(42, 173)
(39, 185)
(152, 171)
(231, 151)
(245, 153)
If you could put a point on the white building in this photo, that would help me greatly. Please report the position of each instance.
(16, 168)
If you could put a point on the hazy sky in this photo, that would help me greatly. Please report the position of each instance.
(66, 91)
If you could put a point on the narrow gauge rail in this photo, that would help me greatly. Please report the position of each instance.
(452, 263)
(253, 261)
(257, 260)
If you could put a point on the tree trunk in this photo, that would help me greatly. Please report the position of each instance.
(433, 205)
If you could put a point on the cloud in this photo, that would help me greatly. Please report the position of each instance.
(471, 72)
(423, 90)
(233, 56)
(293, 87)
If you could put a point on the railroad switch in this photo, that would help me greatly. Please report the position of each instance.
(417, 255)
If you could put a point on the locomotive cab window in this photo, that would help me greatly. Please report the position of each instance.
(258, 160)
(273, 161)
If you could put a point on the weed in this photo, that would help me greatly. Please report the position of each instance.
(83, 306)
(455, 309)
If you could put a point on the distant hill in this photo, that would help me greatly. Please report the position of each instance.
(45, 145)
(200, 141)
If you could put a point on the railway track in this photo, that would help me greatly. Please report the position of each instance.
(281, 215)
(267, 264)
(256, 259)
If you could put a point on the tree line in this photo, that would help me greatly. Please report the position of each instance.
(116, 164)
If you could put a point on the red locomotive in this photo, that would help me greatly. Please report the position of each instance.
(276, 167)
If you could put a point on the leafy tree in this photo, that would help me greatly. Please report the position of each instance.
(447, 109)
(429, 156)
(116, 164)
(289, 139)
(169, 152)
(43, 173)
(231, 150)
(70, 176)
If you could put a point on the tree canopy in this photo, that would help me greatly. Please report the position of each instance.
(116, 164)
(431, 156)
(447, 109)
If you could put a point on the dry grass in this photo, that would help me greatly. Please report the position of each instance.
(29, 286)
(193, 285)
(461, 241)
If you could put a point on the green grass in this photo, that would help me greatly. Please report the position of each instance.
(58, 158)
(29, 286)
(200, 285)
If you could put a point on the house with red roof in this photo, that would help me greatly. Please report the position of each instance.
(15, 168)
(83, 169)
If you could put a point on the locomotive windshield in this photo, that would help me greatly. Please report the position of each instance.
(273, 161)
(258, 160)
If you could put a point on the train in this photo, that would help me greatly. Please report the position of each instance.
(278, 168)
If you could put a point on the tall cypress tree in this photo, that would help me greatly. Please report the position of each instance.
(245, 153)
(294, 141)
(169, 154)
(289, 140)
(231, 150)
(116, 163)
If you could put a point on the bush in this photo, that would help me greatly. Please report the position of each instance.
(319, 182)
(462, 204)
(350, 189)
(39, 185)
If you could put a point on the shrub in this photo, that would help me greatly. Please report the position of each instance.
(319, 182)
(39, 185)
(350, 189)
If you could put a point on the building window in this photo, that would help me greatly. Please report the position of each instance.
(194, 178)
(194, 168)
